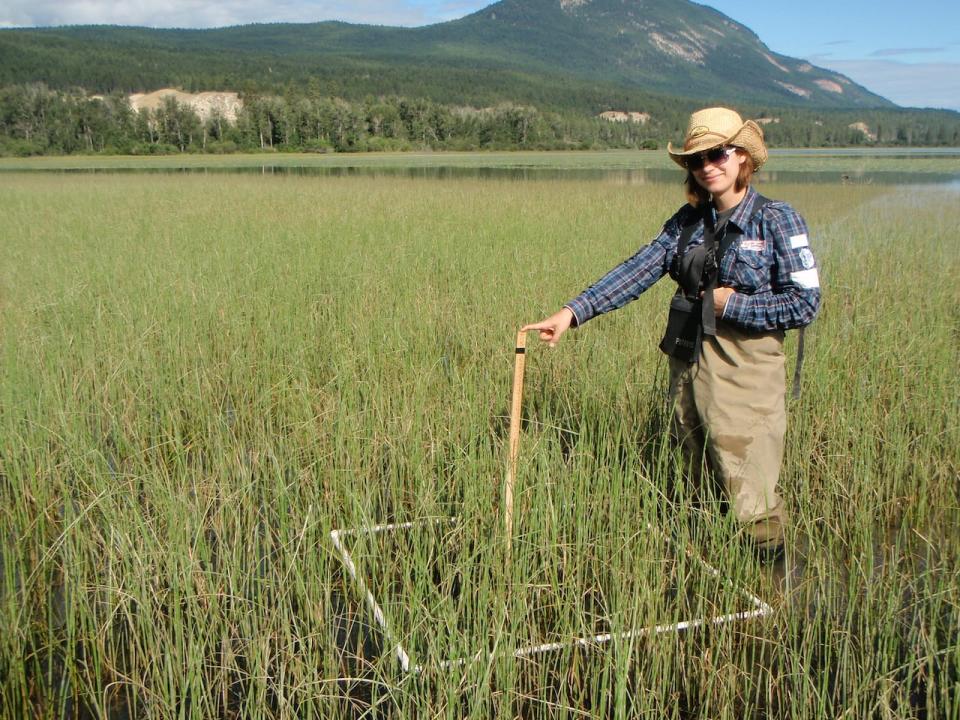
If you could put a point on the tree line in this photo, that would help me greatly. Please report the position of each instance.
(38, 120)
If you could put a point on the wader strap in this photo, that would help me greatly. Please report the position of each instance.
(708, 318)
(795, 393)
(726, 240)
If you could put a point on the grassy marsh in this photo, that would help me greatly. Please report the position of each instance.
(204, 375)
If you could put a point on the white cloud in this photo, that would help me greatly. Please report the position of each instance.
(935, 84)
(891, 52)
(203, 13)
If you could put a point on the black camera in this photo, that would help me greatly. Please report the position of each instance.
(684, 333)
(695, 272)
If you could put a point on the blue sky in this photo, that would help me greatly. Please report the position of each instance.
(907, 52)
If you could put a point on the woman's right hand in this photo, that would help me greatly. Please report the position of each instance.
(552, 327)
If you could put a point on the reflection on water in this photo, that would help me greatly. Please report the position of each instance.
(619, 177)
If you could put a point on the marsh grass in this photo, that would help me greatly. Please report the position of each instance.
(203, 376)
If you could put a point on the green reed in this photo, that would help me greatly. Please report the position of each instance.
(204, 375)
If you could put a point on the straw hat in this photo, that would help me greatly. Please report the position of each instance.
(712, 127)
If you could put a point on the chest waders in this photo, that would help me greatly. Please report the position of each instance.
(696, 272)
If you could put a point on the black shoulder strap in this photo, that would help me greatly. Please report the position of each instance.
(687, 231)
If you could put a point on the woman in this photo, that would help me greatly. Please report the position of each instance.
(745, 274)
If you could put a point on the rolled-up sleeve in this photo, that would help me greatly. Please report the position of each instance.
(793, 298)
(633, 276)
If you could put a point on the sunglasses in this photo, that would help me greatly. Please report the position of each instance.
(714, 156)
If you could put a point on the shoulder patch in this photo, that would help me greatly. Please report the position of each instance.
(799, 241)
(806, 258)
(806, 278)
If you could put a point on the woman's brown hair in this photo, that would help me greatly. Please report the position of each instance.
(697, 195)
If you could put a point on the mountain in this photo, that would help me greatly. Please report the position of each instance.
(674, 47)
(583, 54)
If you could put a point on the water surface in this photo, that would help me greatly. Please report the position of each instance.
(640, 176)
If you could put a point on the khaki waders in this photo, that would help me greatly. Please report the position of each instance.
(731, 404)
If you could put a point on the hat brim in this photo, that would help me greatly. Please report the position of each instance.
(749, 137)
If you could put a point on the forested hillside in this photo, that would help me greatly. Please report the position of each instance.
(36, 120)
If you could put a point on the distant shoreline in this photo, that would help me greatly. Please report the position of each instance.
(839, 160)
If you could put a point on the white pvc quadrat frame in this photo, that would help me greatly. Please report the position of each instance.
(760, 608)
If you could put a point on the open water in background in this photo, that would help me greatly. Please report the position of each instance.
(618, 167)
(616, 176)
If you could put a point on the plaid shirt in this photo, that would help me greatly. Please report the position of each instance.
(769, 265)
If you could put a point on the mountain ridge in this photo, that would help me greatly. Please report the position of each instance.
(611, 53)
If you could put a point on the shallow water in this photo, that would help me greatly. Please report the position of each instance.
(643, 176)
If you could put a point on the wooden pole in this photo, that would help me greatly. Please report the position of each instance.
(515, 410)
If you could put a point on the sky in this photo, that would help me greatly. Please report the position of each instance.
(906, 52)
